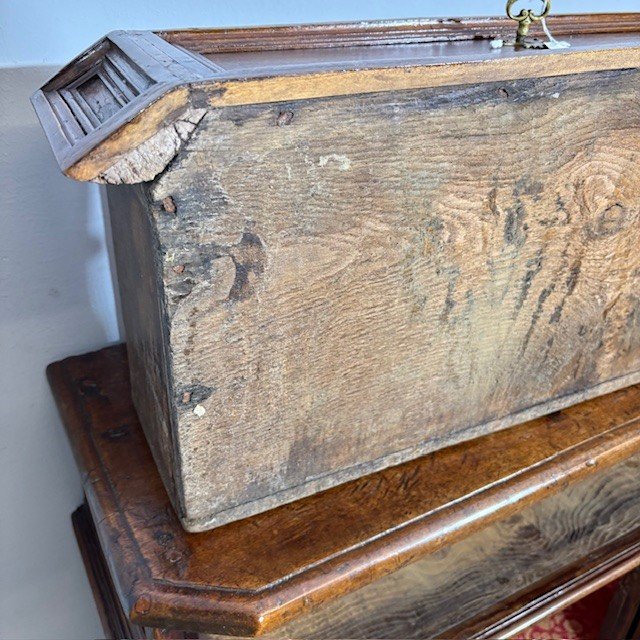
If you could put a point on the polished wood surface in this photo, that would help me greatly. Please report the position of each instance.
(384, 32)
(506, 619)
(157, 88)
(300, 62)
(502, 577)
(254, 575)
(286, 62)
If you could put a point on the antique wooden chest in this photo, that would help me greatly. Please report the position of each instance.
(340, 247)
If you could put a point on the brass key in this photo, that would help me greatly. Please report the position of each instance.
(525, 19)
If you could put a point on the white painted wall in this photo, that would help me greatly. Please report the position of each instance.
(56, 289)
(56, 299)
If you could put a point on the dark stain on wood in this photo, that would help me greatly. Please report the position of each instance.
(249, 259)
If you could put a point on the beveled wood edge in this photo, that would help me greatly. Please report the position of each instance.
(572, 584)
(423, 536)
(158, 107)
(507, 620)
(384, 32)
(151, 602)
(202, 85)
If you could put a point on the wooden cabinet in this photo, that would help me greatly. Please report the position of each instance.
(342, 247)
(475, 540)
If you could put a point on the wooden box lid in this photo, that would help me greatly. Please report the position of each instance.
(131, 86)
(254, 575)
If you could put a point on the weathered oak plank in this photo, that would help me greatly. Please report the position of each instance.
(384, 275)
(343, 257)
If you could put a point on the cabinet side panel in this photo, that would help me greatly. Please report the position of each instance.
(352, 282)
(137, 253)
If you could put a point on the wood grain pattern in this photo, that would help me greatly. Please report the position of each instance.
(425, 267)
(519, 612)
(141, 293)
(304, 61)
(462, 256)
(441, 594)
(512, 615)
(254, 575)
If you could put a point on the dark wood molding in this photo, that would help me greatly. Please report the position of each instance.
(114, 620)
(385, 32)
(107, 86)
(244, 579)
